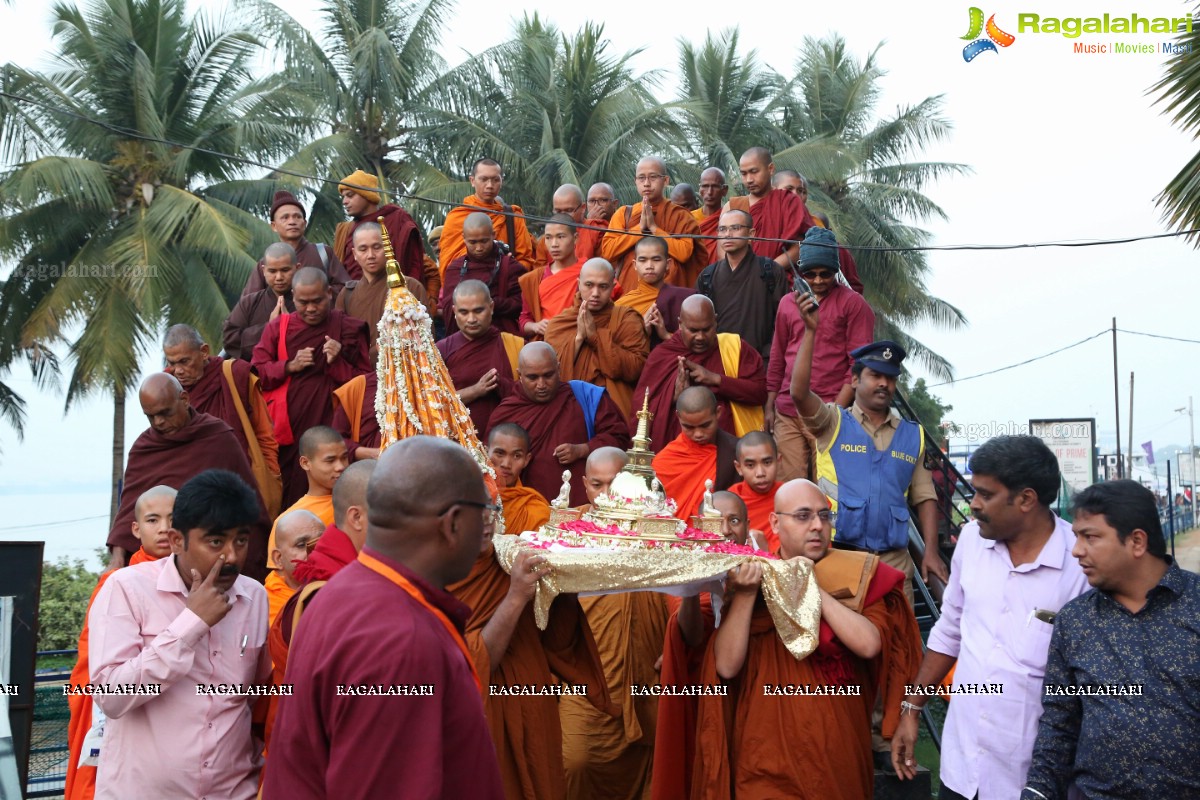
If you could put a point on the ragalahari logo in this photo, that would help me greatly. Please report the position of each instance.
(995, 36)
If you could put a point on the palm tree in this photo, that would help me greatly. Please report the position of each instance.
(551, 108)
(861, 175)
(1179, 88)
(111, 214)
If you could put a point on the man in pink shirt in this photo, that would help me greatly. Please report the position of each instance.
(847, 323)
(163, 634)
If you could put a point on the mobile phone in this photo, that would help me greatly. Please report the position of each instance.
(800, 285)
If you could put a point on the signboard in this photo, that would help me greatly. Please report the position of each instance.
(1073, 442)
(1187, 469)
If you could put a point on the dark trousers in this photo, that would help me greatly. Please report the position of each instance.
(946, 793)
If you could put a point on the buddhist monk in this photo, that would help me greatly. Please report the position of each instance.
(508, 222)
(597, 342)
(684, 195)
(293, 533)
(525, 509)
(756, 460)
(655, 215)
(696, 355)
(546, 292)
(355, 419)
(301, 359)
(713, 189)
(484, 261)
(859, 656)
(565, 420)
(361, 200)
(323, 458)
(510, 652)
(228, 390)
(602, 201)
(151, 521)
(746, 288)
(609, 757)
(289, 221)
(701, 452)
(568, 200)
(481, 359)
(244, 326)
(776, 214)
(179, 444)
(656, 300)
(366, 297)
(386, 619)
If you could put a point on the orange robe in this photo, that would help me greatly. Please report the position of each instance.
(737, 752)
(81, 781)
(544, 293)
(625, 231)
(452, 245)
(683, 466)
(278, 593)
(675, 739)
(614, 362)
(639, 298)
(526, 729)
(607, 758)
(524, 509)
(758, 510)
(708, 227)
(321, 505)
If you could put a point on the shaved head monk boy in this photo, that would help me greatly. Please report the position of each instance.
(568, 200)
(657, 301)
(701, 452)
(546, 292)
(601, 470)
(508, 451)
(756, 459)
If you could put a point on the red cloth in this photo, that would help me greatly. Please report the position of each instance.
(748, 386)
(506, 291)
(205, 442)
(211, 395)
(849, 269)
(309, 395)
(368, 423)
(777, 215)
(683, 466)
(468, 360)
(758, 510)
(406, 242)
(544, 294)
(560, 421)
(708, 227)
(334, 550)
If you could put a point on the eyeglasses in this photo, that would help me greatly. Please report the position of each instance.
(732, 228)
(822, 275)
(653, 176)
(599, 201)
(568, 211)
(491, 511)
(806, 515)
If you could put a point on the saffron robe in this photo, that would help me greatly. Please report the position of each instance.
(278, 593)
(708, 227)
(777, 215)
(319, 504)
(354, 413)
(452, 245)
(560, 421)
(748, 386)
(758, 510)
(503, 285)
(610, 758)
(526, 729)
(244, 326)
(307, 255)
(365, 629)
(544, 294)
(309, 392)
(669, 300)
(525, 509)
(616, 358)
(365, 299)
(205, 442)
(732, 757)
(683, 466)
(468, 360)
(403, 232)
(625, 231)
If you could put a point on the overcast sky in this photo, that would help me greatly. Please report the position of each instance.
(1064, 146)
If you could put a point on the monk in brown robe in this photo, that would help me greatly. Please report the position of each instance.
(713, 189)
(546, 292)
(776, 214)
(598, 342)
(656, 300)
(565, 420)
(229, 390)
(859, 656)
(702, 452)
(525, 509)
(289, 222)
(355, 419)
(486, 262)
(151, 521)
(361, 200)
(249, 317)
(366, 297)
(179, 444)
(696, 355)
(322, 349)
(293, 533)
(323, 458)
(610, 758)
(654, 216)
(481, 359)
(508, 222)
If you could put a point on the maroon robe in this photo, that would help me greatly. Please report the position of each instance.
(849, 269)
(501, 278)
(670, 303)
(307, 255)
(205, 442)
(333, 551)
(406, 242)
(778, 215)
(330, 745)
(369, 434)
(560, 421)
(211, 395)
(749, 386)
(246, 322)
(309, 394)
(468, 360)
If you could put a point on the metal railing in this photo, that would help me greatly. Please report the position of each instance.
(48, 752)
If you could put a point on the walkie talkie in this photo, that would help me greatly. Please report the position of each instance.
(800, 285)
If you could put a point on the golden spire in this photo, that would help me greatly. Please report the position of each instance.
(395, 278)
(639, 456)
(641, 439)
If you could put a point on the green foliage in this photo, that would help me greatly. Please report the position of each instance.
(67, 585)
(929, 408)
(1179, 90)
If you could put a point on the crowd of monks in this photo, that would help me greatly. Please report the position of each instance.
(692, 306)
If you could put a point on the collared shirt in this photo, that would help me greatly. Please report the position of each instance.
(987, 622)
(821, 425)
(179, 743)
(1119, 746)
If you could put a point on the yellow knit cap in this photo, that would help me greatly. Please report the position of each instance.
(358, 182)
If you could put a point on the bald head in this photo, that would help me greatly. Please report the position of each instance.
(310, 276)
(735, 525)
(164, 402)
(696, 399)
(601, 201)
(698, 308)
(597, 279)
(713, 189)
(809, 538)
(155, 493)
(755, 439)
(598, 267)
(152, 519)
(684, 194)
(350, 500)
(791, 181)
(295, 531)
(317, 437)
(568, 199)
(760, 155)
(696, 410)
(474, 290)
(477, 222)
(652, 164)
(281, 252)
(601, 468)
(698, 324)
(537, 371)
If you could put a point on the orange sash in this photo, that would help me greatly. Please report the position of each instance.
(378, 567)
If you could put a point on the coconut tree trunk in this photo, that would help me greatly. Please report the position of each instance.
(118, 452)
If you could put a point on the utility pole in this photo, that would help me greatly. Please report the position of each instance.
(1129, 450)
(1117, 401)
